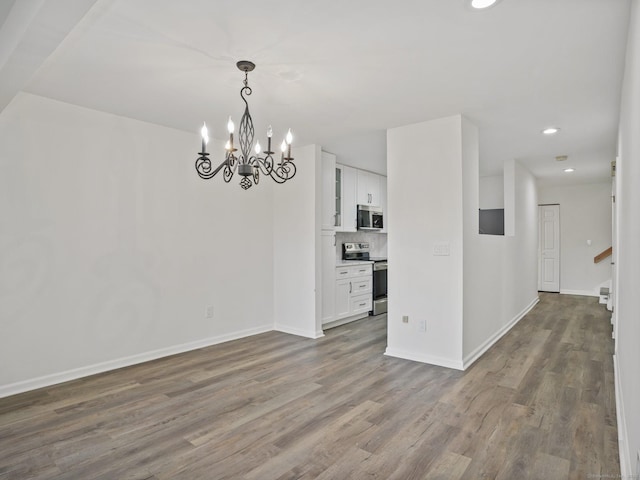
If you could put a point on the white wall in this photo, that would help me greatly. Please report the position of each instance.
(424, 182)
(585, 214)
(111, 246)
(367, 151)
(500, 272)
(627, 307)
(492, 192)
(297, 253)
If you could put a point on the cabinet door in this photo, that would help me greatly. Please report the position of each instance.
(343, 298)
(374, 189)
(328, 244)
(328, 191)
(364, 188)
(368, 188)
(348, 212)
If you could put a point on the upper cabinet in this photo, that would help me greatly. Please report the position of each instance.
(343, 188)
(346, 185)
(369, 188)
(328, 219)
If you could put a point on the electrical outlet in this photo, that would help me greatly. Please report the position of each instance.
(422, 326)
(208, 313)
(442, 249)
(405, 319)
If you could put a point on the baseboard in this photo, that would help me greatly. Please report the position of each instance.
(344, 321)
(298, 331)
(584, 293)
(623, 440)
(479, 351)
(74, 374)
(430, 359)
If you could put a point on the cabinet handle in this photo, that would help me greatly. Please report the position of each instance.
(362, 304)
(350, 287)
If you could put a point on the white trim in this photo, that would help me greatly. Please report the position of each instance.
(298, 332)
(475, 354)
(430, 359)
(623, 439)
(60, 377)
(345, 320)
(584, 293)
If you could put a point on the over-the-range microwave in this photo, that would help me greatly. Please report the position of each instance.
(370, 218)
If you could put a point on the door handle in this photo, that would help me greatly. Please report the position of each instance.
(350, 287)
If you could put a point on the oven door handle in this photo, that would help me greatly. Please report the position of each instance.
(380, 266)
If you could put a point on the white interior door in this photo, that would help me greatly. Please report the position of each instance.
(549, 248)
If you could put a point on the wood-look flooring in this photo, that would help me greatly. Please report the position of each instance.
(539, 405)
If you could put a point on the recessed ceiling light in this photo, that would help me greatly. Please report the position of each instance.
(482, 3)
(550, 130)
(569, 170)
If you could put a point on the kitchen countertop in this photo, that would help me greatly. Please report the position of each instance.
(351, 263)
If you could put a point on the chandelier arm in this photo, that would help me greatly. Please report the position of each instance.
(203, 167)
(264, 164)
(283, 172)
(231, 165)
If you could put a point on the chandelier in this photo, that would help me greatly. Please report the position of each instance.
(247, 165)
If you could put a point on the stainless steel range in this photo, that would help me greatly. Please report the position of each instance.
(360, 251)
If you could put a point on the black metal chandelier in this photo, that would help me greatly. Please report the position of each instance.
(247, 165)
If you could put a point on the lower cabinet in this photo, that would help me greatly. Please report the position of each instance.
(353, 290)
(343, 298)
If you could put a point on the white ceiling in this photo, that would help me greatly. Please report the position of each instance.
(330, 69)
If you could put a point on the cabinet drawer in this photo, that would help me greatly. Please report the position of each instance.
(354, 271)
(360, 303)
(361, 285)
(362, 270)
(343, 272)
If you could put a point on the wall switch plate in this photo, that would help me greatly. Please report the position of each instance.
(405, 319)
(441, 249)
(422, 326)
(208, 313)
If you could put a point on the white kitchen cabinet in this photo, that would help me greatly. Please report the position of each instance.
(343, 299)
(328, 215)
(353, 292)
(360, 304)
(328, 245)
(346, 188)
(368, 188)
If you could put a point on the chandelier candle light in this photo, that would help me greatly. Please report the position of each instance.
(247, 165)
